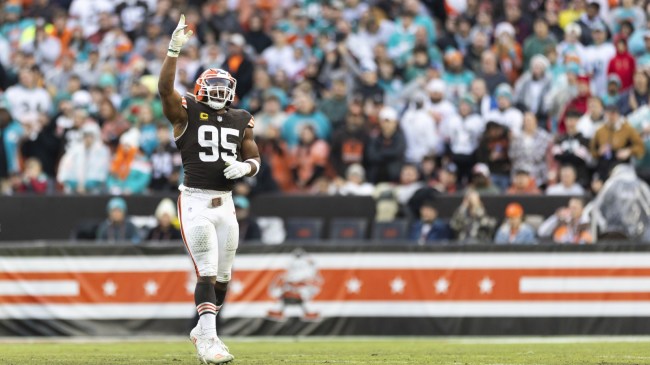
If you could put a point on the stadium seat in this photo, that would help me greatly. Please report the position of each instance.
(348, 228)
(304, 228)
(390, 231)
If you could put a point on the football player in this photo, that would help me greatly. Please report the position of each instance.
(217, 147)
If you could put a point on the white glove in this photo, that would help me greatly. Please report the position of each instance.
(236, 170)
(179, 38)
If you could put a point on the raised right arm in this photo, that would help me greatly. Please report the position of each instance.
(172, 102)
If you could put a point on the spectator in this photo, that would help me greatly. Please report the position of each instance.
(514, 230)
(493, 151)
(276, 56)
(10, 135)
(306, 113)
(402, 41)
(256, 36)
(637, 96)
(429, 228)
(591, 21)
(349, 143)
(537, 43)
(166, 230)
(627, 11)
(334, 106)
(479, 45)
(464, 137)
(515, 15)
(597, 56)
(568, 225)
(531, 150)
(622, 63)
(249, 230)
(506, 114)
(579, 102)
(523, 183)
(440, 109)
(471, 222)
(84, 167)
(567, 184)
(310, 157)
(419, 129)
(117, 227)
(592, 120)
(275, 152)
(455, 76)
(570, 46)
(612, 94)
(508, 51)
(238, 64)
(533, 85)
(385, 152)
(409, 183)
(615, 142)
(130, 171)
(271, 115)
(572, 149)
(33, 180)
(480, 181)
(43, 142)
(27, 98)
(354, 183)
(447, 181)
(478, 91)
(166, 163)
(490, 71)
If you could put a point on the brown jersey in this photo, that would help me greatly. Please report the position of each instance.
(210, 140)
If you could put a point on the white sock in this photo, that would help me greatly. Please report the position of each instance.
(208, 323)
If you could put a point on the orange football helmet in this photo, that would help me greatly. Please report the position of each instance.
(216, 88)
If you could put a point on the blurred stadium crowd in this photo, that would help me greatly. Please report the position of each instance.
(350, 97)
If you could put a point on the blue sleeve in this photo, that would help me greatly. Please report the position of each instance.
(501, 237)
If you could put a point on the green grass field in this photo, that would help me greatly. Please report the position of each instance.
(336, 351)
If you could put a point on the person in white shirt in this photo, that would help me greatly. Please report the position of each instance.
(25, 98)
(354, 184)
(441, 109)
(409, 183)
(419, 128)
(571, 44)
(506, 114)
(466, 130)
(279, 53)
(596, 57)
(567, 184)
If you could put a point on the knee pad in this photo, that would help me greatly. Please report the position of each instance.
(201, 236)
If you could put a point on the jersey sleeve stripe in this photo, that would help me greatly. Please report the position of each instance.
(251, 122)
(183, 102)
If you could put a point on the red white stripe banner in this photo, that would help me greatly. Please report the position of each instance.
(333, 285)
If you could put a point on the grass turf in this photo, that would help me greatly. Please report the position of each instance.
(348, 351)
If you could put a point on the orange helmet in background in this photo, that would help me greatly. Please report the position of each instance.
(215, 88)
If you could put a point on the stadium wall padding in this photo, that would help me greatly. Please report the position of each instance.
(59, 289)
(56, 217)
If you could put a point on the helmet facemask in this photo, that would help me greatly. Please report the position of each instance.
(217, 92)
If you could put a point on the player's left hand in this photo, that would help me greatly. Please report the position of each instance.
(237, 170)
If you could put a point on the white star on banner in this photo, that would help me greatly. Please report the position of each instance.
(109, 288)
(151, 288)
(397, 285)
(442, 285)
(236, 287)
(486, 285)
(353, 285)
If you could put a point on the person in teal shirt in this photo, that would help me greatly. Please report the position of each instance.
(306, 113)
